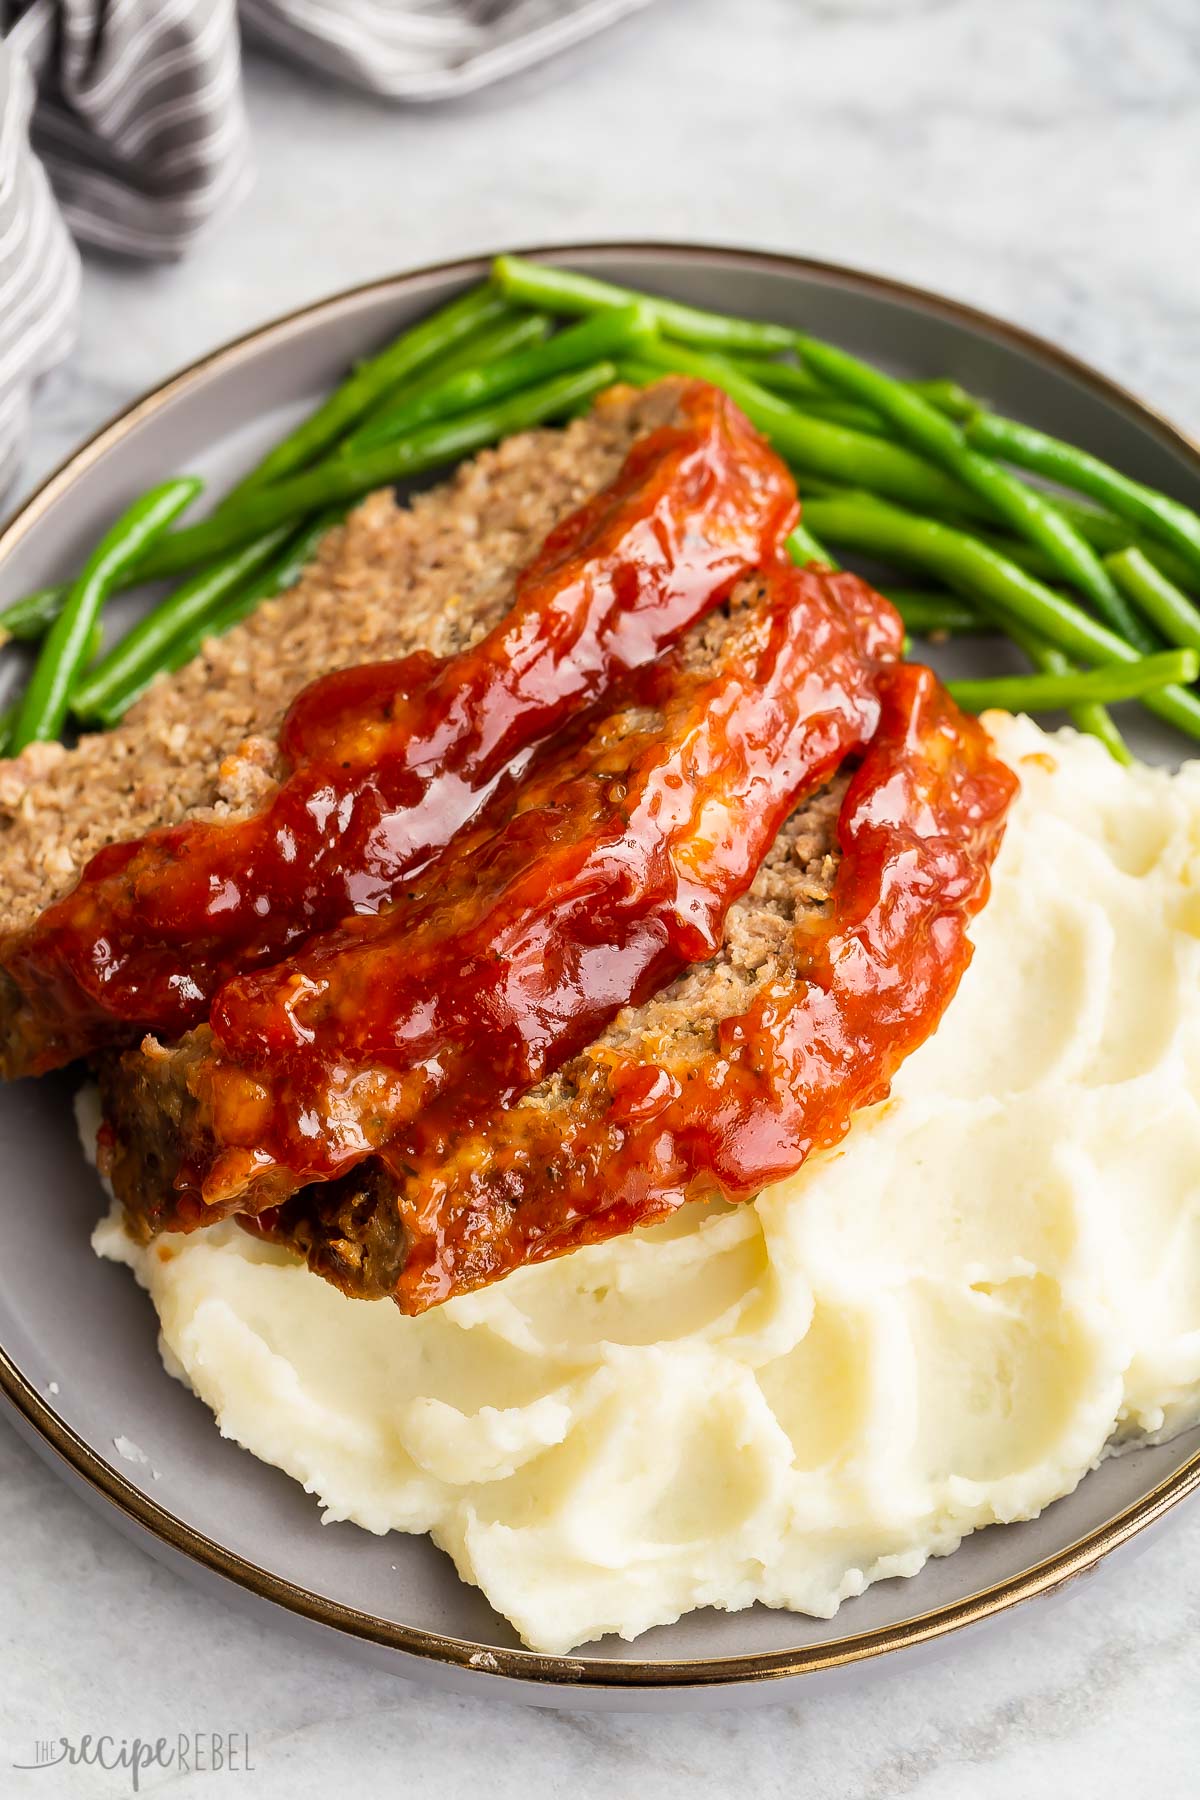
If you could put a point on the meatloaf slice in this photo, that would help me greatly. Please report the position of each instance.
(386, 761)
(351, 1231)
(703, 1101)
(613, 870)
(435, 575)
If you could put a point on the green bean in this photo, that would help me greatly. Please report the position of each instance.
(948, 396)
(1165, 561)
(841, 412)
(562, 291)
(923, 613)
(1089, 715)
(280, 574)
(825, 405)
(978, 572)
(518, 332)
(341, 479)
(8, 717)
(1165, 605)
(1104, 532)
(604, 335)
(785, 378)
(809, 394)
(512, 331)
(194, 600)
(1096, 720)
(1074, 687)
(929, 615)
(803, 549)
(285, 573)
(803, 386)
(831, 450)
(1169, 520)
(1031, 514)
(46, 700)
(637, 371)
(31, 617)
(370, 381)
(273, 581)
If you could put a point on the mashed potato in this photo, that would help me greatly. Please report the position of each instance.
(940, 1325)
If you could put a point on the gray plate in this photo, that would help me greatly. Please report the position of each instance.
(67, 1319)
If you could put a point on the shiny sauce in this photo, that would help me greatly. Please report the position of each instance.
(389, 760)
(613, 870)
(919, 827)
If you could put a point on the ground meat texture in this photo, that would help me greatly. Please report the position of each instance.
(631, 1134)
(350, 1231)
(433, 576)
(613, 868)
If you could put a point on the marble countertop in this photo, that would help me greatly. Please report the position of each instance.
(1037, 158)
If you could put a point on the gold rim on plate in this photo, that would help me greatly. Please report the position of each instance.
(585, 1672)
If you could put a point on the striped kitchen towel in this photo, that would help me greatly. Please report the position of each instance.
(430, 50)
(122, 124)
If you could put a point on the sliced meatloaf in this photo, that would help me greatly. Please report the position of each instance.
(612, 872)
(351, 1231)
(387, 760)
(693, 1096)
(201, 746)
(432, 575)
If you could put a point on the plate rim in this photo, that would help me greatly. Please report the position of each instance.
(584, 1672)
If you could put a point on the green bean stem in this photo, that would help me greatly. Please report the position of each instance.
(563, 291)
(1176, 524)
(605, 335)
(1005, 590)
(193, 601)
(1073, 687)
(44, 705)
(370, 381)
(1165, 605)
(1032, 515)
(341, 479)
